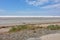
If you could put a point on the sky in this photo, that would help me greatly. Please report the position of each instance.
(29, 7)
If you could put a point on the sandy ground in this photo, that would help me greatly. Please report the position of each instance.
(39, 34)
(3, 30)
(51, 37)
(48, 37)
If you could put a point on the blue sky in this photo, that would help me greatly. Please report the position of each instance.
(29, 7)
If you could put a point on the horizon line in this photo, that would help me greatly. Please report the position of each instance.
(29, 16)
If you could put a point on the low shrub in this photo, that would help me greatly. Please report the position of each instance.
(18, 28)
(13, 29)
(53, 27)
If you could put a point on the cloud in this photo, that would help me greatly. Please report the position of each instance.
(44, 3)
(52, 6)
(36, 2)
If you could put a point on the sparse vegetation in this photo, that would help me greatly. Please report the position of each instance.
(53, 27)
(19, 27)
(13, 29)
(30, 27)
(22, 27)
(21, 32)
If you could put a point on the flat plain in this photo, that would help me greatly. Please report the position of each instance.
(38, 28)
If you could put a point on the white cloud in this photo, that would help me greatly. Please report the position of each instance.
(36, 2)
(51, 3)
(52, 6)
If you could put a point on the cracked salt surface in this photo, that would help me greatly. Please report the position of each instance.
(55, 36)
